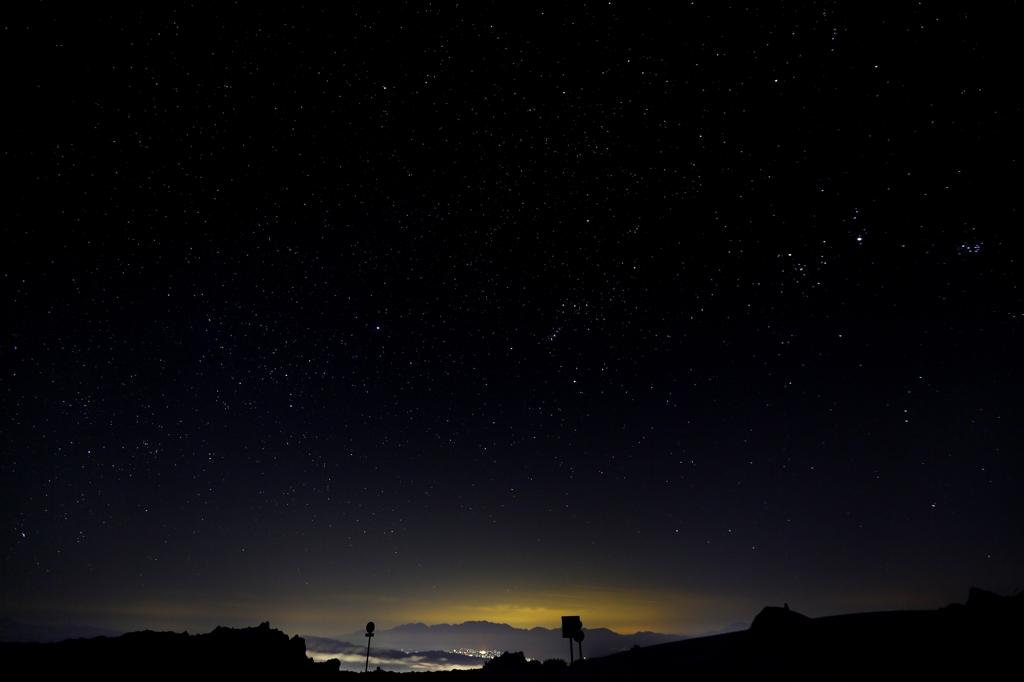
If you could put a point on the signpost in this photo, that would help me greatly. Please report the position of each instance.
(572, 627)
(578, 638)
(369, 633)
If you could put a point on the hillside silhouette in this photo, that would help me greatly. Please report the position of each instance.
(540, 643)
(261, 652)
(975, 640)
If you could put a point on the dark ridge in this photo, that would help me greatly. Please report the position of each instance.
(16, 631)
(259, 652)
(976, 640)
(775, 620)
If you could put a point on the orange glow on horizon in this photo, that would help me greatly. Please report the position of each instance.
(625, 610)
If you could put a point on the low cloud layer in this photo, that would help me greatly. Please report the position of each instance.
(353, 657)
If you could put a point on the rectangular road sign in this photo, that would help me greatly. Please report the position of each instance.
(570, 626)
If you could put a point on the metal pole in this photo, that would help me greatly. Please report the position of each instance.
(570, 651)
(580, 645)
(367, 668)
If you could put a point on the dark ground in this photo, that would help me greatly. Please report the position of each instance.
(975, 640)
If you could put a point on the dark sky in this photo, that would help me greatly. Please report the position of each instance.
(435, 312)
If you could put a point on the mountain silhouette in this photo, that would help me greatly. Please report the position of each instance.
(17, 631)
(260, 652)
(352, 656)
(778, 620)
(976, 640)
(482, 635)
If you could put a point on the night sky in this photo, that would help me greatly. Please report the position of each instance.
(428, 312)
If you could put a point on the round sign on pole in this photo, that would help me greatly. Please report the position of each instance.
(578, 636)
(369, 633)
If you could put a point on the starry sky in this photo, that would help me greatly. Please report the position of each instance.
(435, 312)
